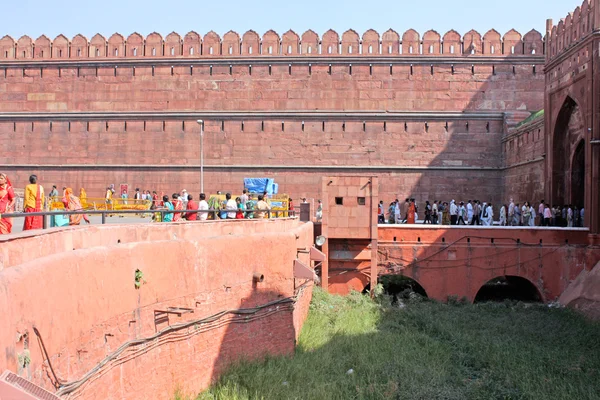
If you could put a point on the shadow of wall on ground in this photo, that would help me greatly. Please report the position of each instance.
(427, 351)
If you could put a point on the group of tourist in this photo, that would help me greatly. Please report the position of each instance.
(474, 212)
(182, 204)
(34, 201)
(437, 213)
(243, 207)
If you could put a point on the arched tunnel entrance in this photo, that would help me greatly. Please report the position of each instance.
(401, 287)
(508, 288)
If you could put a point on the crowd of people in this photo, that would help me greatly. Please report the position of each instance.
(243, 207)
(183, 204)
(474, 212)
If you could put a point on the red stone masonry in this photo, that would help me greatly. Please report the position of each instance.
(422, 111)
(524, 151)
(192, 45)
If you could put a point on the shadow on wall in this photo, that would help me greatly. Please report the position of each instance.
(359, 353)
(469, 165)
(262, 327)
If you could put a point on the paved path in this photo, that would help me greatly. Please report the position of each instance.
(94, 219)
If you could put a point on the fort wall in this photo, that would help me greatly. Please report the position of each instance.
(416, 117)
(77, 288)
(309, 44)
(524, 152)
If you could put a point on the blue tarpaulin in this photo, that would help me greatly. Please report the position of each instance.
(259, 185)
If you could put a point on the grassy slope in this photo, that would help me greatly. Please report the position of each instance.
(427, 351)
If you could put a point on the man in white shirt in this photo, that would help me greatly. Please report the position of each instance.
(488, 218)
(183, 197)
(230, 206)
(469, 212)
(453, 213)
(203, 205)
(397, 215)
(511, 213)
(244, 197)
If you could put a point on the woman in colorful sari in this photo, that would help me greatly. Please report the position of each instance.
(33, 202)
(411, 213)
(83, 197)
(167, 205)
(177, 205)
(7, 201)
(72, 203)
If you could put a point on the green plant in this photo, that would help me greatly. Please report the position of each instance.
(139, 278)
(426, 350)
(24, 358)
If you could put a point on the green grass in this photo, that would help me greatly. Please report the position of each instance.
(533, 116)
(427, 350)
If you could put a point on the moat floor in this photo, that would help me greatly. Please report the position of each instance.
(353, 348)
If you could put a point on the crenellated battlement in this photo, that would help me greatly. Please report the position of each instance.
(573, 29)
(250, 44)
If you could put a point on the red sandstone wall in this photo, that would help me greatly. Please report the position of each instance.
(491, 74)
(523, 151)
(77, 287)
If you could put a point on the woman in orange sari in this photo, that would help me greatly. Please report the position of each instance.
(72, 203)
(178, 205)
(83, 197)
(410, 219)
(7, 201)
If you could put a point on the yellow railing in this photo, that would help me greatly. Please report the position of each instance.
(95, 203)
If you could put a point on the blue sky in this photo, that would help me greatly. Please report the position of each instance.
(36, 17)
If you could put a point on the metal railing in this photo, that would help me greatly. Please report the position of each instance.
(215, 213)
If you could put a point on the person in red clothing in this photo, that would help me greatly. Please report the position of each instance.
(192, 208)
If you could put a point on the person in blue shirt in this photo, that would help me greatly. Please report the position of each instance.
(168, 217)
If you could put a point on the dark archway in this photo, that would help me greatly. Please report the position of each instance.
(402, 287)
(508, 288)
(568, 133)
(578, 176)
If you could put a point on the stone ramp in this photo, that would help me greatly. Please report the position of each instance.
(583, 294)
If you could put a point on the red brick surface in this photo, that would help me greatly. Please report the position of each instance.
(76, 286)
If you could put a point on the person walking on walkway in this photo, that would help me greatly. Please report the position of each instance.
(34, 202)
